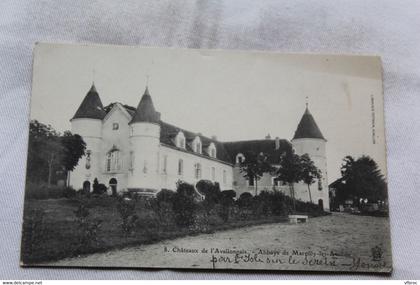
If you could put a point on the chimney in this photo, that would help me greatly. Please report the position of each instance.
(268, 137)
(277, 143)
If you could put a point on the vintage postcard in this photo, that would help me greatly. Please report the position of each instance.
(177, 158)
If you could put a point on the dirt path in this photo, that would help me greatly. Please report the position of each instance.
(337, 242)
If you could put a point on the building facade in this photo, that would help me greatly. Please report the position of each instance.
(132, 149)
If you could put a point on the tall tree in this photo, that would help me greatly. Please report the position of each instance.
(362, 179)
(48, 151)
(254, 166)
(74, 149)
(290, 171)
(310, 173)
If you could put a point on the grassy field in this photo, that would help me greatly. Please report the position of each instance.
(58, 233)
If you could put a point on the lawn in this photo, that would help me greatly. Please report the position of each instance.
(58, 233)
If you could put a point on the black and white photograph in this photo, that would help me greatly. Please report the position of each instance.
(206, 159)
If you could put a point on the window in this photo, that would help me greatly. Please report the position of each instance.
(213, 173)
(197, 145)
(224, 177)
(113, 161)
(251, 182)
(131, 160)
(240, 158)
(165, 163)
(197, 171)
(182, 143)
(115, 126)
(180, 140)
(180, 167)
(276, 181)
(212, 150)
(319, 185)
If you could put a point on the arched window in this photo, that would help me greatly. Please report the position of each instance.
(197, 170)
(113, 160)
(197, 146)
(240, 158)
(180, 140)
(180, 167)
(212, 150)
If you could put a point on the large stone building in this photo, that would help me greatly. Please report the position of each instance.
(132, 149)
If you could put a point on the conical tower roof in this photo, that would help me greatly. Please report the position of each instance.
(145, 111)
(91, 106)
(307, 127)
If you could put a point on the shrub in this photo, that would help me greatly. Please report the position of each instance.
(279, 206)
(211, 192)
(162, 206)
(245, 200)
(34, 232)
(226, 202)
(87, 230)
(42, 191)
(98, 188)
(165, 195)
(184, 204)
(126, 208)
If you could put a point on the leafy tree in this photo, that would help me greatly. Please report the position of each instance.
(49, 151)
(254, 166)
(310, 173)
(74, 149)
(290, 171)
(362, 179)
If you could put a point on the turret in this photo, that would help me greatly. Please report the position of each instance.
(309, 139)
(87, 122)
(144, 146)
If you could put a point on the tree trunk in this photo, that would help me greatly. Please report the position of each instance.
(256, 187)
(309, 190)
(292, 192)
(50, 163)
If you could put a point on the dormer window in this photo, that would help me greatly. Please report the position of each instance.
(197, 146)
(212, 150)
(240, 158)
(180, 140)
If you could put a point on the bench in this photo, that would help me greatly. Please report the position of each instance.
(294, 219)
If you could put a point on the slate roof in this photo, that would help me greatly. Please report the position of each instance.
(168, 133)
(225, 151)
(308, 128)
(145, 111)
(266, 146)
(91, 106)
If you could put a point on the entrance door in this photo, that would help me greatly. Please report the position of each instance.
(86, 187)
(113, 185)
(321, 204)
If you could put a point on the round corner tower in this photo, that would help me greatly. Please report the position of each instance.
(87, 122)
(309, 139)
(144, 147)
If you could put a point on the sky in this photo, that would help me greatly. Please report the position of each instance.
(234, 95)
